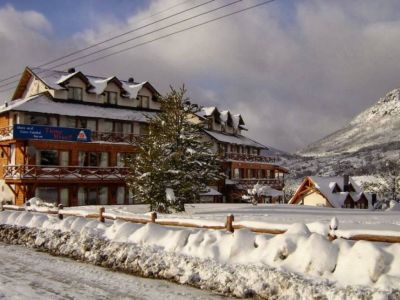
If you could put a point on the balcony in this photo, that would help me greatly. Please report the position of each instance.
(248, 157)
(250, 182)
(34, 173)
(6, 133)
(115, 137)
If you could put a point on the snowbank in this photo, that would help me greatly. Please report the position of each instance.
(241, 264)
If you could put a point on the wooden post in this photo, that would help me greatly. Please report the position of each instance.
(60, 215)
(333, 226)
(229, 223)
(101, 217)
(153, 216)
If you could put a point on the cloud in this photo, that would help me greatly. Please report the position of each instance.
(296, 72)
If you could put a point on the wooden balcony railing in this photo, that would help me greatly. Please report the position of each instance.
(248, 157)
(274, 182)
(115, 137)
(6, 133)
(34, 172)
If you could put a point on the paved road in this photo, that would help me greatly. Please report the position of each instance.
(28, 274)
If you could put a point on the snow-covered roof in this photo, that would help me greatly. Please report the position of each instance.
(210, 192)
(224, 116)
(207, 111)
(56, 79)
(43, 104)
(326, 186)
(234, 139)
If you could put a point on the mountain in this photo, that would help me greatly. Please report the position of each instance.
(378, 126)
(369, 147)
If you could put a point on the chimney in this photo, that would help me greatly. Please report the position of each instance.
(131, 80)
(373, 196)
(346, 179)
(71, 70)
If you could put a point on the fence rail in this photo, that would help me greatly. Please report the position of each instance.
(229, 223)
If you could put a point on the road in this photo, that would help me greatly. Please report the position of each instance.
(28, 274)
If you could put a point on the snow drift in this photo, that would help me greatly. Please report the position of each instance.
(241, 264)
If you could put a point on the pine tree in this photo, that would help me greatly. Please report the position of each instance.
(174, 156)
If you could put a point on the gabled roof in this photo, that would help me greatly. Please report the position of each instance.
(332, 189)
(234, 139)
(43, 103)
(56, 80)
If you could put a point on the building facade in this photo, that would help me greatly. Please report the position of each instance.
(64, 168)
(241, 159)
(65, 137)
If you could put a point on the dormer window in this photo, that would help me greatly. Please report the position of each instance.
(210, 123)
(75, 93)
(144, 101)
(110, 97)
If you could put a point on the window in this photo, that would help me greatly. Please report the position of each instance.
(210, 123)
(107, 126)
(93, 195)
(81, 123)
(47, 194)
(121, 195)
(144, 101)
(75, 93)
(69, 122)
(91, 124)
(127, 128)
(64, 158)
(118, 127)
(38, 119)
(93, 159)
(64, 196)
(123, 159)
(103, 195)
(110, 97)
(47, 158)
(144, 129)
(236, 173)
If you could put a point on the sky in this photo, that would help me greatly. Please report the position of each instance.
(295, 70)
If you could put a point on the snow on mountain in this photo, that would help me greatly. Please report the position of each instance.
(377, 126)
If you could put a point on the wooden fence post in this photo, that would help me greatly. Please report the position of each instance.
(229, 223)
(333, 226)
(60, 215)
(153, 216)
(101, 217)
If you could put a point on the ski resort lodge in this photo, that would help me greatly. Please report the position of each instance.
(336, 192)
(65, 137)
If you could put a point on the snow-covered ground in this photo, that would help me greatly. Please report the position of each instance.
(299, 262)
(28, 274)
(273, 216)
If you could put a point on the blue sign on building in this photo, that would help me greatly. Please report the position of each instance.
(41, 132)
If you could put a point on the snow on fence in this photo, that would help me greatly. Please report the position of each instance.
(334, 232)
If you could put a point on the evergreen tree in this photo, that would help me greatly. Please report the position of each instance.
(174, 157)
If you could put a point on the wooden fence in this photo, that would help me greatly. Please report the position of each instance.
(101, 215)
